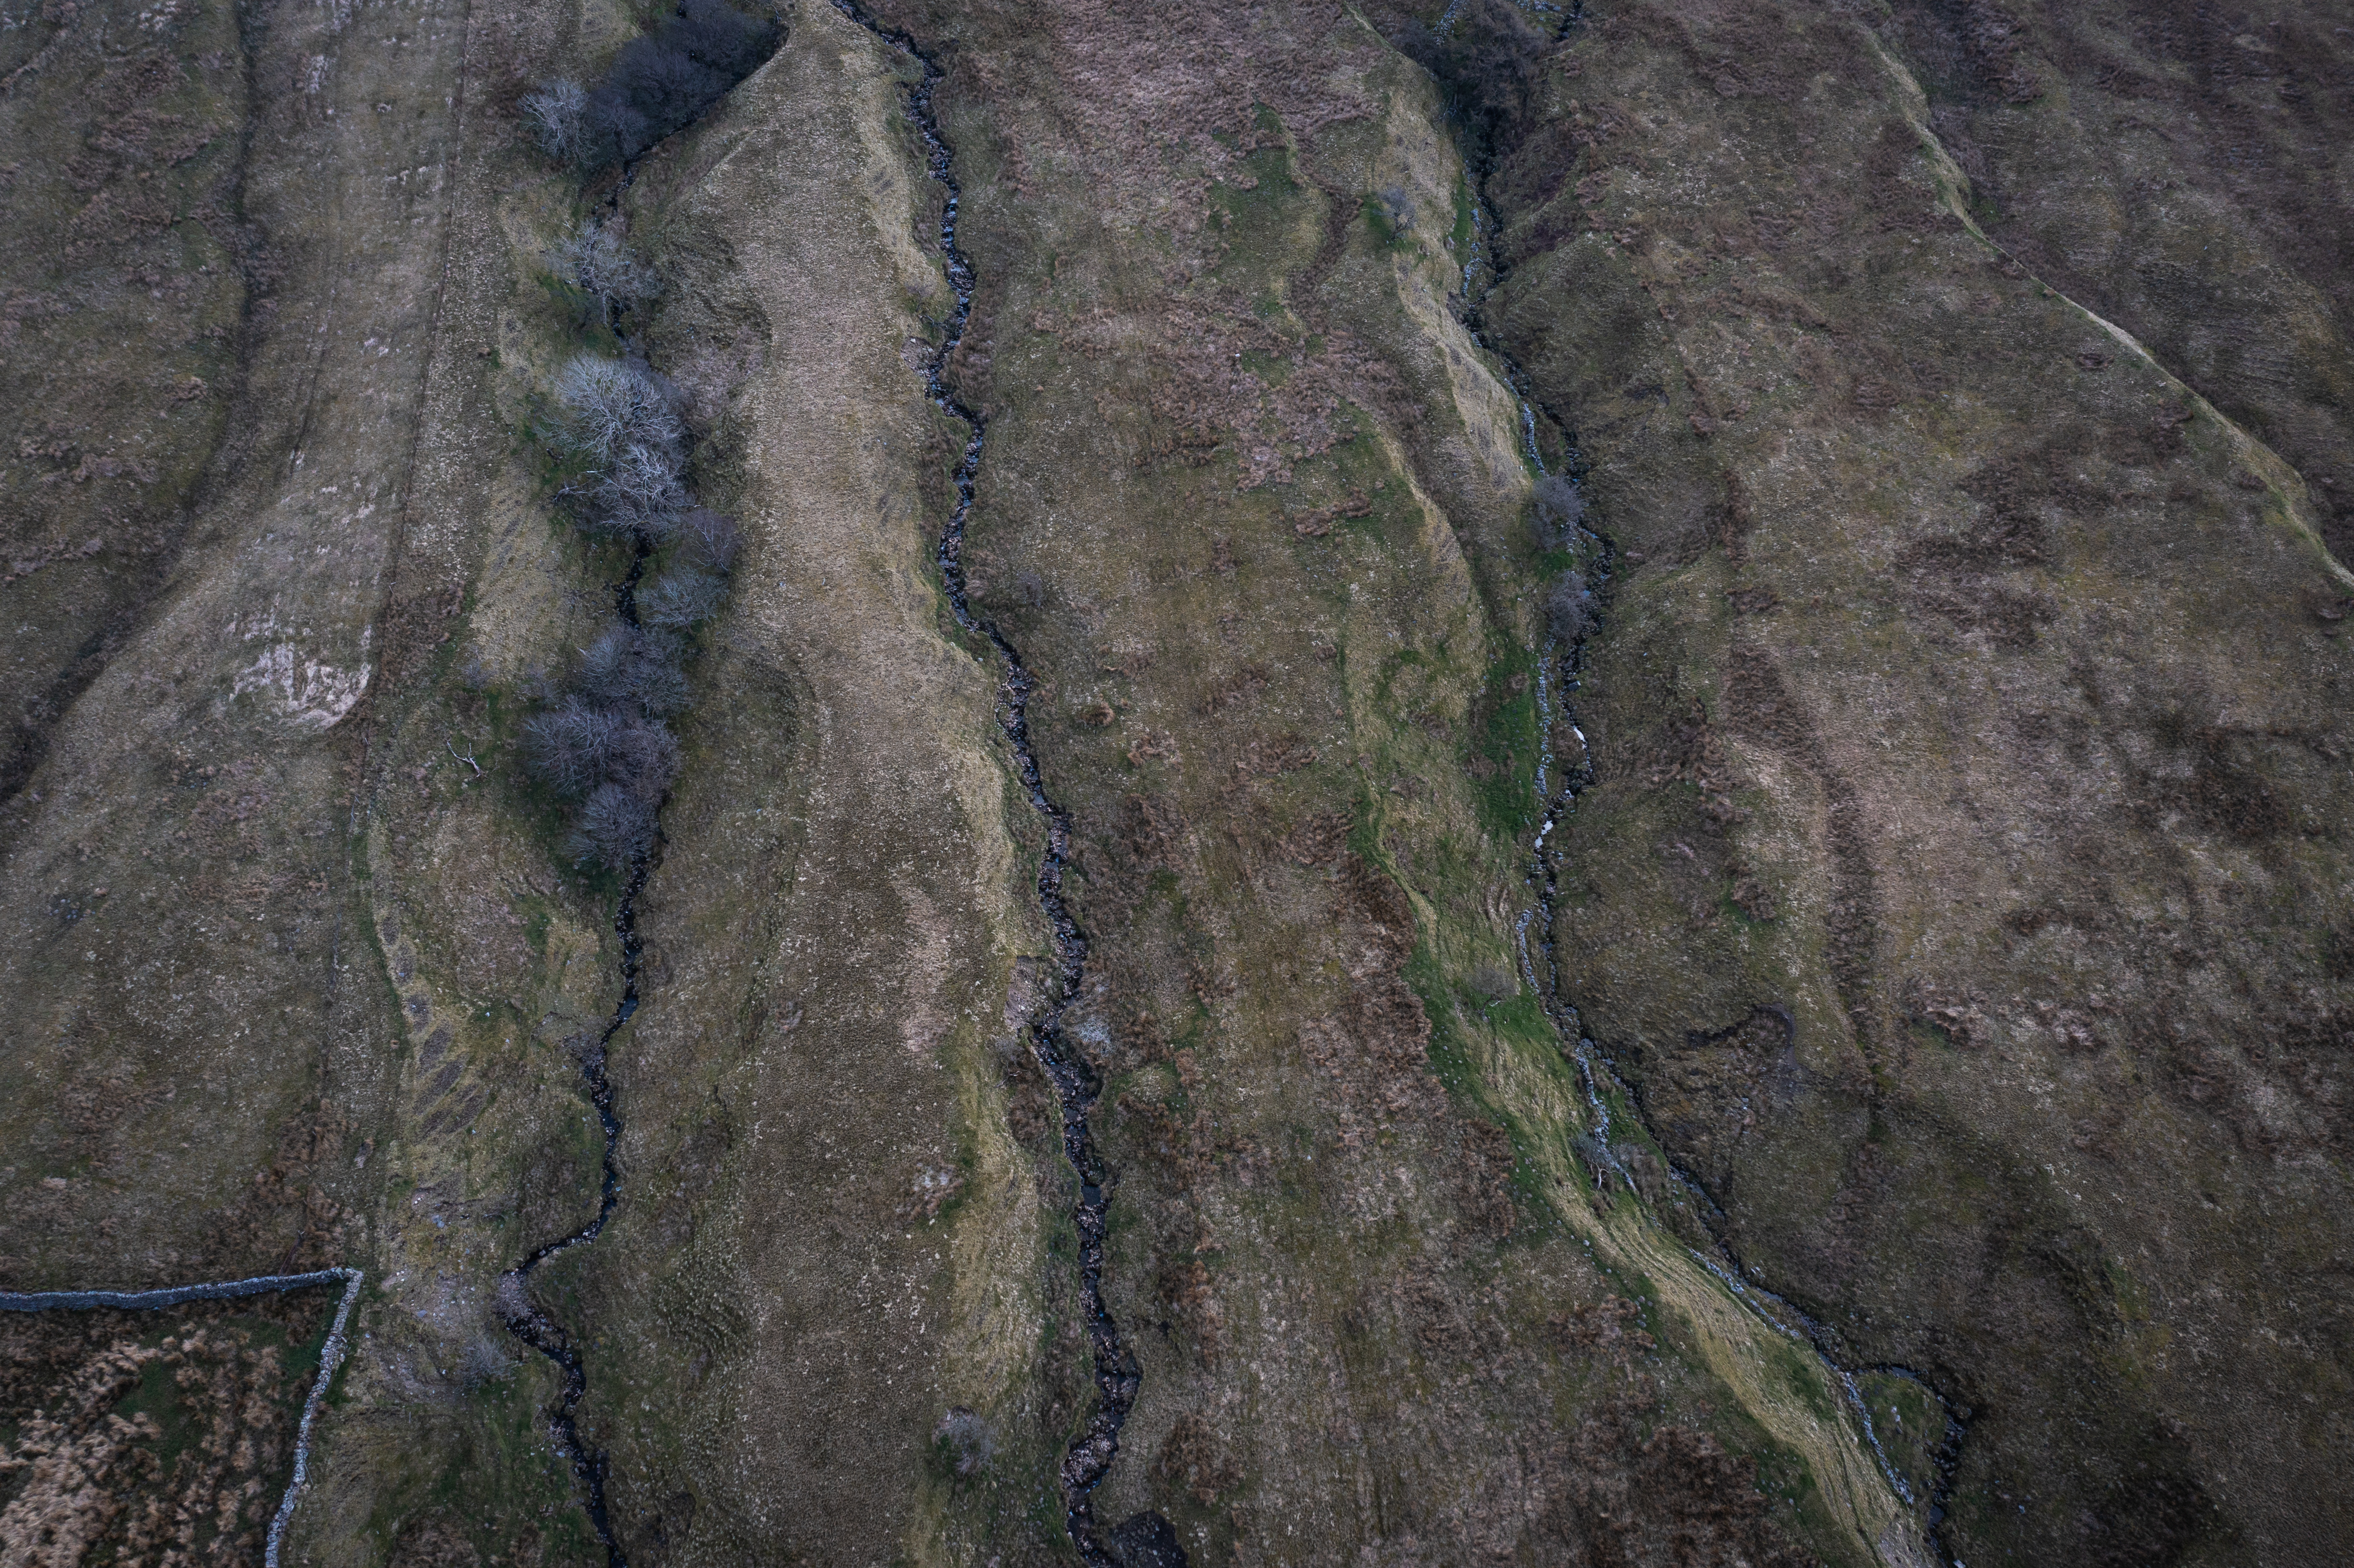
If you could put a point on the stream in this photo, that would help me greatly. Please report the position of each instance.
(1783, 1317)
(1117, 1373)
(1116, 1376)
(526, 1318)
(1554, 806)
(1558, 681)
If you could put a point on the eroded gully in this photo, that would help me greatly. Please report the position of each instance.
(1089, 1458)
(1562, 670)
(526, 1318)
(1599, 1076)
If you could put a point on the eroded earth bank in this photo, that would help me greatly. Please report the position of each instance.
(1631, 717)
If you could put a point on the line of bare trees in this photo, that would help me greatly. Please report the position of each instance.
(1556, 510)
(602, 742)
(600, 739)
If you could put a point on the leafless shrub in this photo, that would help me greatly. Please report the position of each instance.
(1556, 509)
(559, 117)
(617, 763)
(616, 827)
(1569, 607)
(613, 405)
(624, 445)
(1495, 982)
(484, 1360)
(1597, 1159)
(964, 1440)
(621, 423)
(594, 258)
(680, 597)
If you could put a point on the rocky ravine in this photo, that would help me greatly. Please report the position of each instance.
(1954, 907)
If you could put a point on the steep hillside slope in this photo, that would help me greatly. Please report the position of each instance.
(1960, 885)
(274, 943)
(2180, 170)
(1495, 784)
(1198, 431)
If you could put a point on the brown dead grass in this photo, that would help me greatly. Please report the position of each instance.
(86, 1483)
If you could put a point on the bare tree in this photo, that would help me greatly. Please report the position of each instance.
(613, 404)
(617, 132)
(630, 667)
(681, 596)
(713, 542)
(639, 491)
(594, 752)
(571, 744)
(1569, 607)
(616, 827)
(1558, 508)
(559, 117)
(594, 258)
(646, 761)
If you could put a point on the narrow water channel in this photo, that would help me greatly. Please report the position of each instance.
(1560, 679)
(526, 1318)
(1117, 1371)
(523, 1316)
